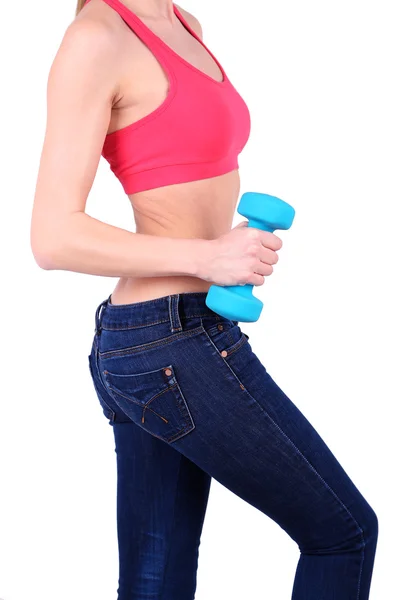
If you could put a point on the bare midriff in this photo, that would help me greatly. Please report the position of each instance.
(197, 209)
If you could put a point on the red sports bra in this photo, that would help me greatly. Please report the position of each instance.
(197, 132)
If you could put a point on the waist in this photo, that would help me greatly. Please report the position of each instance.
(131, 290)
(165, 309)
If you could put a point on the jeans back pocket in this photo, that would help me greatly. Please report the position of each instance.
(153, 400)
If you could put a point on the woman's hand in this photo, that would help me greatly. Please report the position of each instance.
(244, 255)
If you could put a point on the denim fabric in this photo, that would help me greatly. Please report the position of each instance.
(188, 401)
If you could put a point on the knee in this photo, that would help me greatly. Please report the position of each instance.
(362, 533)
(370, 526)
(368, 529)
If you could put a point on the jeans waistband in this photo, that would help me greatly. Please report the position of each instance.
(173, 308)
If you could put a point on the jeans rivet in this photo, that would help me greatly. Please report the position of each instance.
(224, 353)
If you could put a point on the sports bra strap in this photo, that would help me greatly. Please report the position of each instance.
(155, 44)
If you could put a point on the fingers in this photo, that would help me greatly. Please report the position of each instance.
(257, 274)
(266, 238)
(268, 256)
(263, 259)
(259, 250)
(256, 279)
(264, 269)
(270, 240)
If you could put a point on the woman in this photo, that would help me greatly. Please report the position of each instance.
(185, 394)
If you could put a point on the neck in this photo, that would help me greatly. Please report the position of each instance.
(151, 9)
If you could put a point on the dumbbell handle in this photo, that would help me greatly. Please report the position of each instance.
(264, 212)
(247, 289)
(260, 225)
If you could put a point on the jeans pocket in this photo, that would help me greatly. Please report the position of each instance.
(153, 400)
(226, 336)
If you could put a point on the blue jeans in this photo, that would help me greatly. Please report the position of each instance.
(189, 400)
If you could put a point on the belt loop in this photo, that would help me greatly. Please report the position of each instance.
(99, 315)
(173, 306)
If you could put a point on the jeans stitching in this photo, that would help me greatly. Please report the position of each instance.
(230, 337)
(150, 345)
(238, 344)
(186, 429)
(175, 315)
(142, 326)
(116, 391)
(185, 411)
(235, 345)
(170, 300)
(361, 532)
(223, 360)
(186, 415)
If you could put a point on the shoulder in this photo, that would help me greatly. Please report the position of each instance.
(91, 39)
(89, 48)
(192, 20)
(95, 28)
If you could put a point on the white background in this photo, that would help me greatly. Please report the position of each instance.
(321, 82)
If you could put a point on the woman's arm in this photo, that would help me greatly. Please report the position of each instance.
(80, 94)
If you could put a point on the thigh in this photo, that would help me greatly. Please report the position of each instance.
(205, 393)
(252, 438)
(161, 503)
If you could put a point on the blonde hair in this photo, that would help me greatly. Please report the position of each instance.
(79, 6)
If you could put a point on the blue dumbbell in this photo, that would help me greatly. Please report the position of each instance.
(236, 302)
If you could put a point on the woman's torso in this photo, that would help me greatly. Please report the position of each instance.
(195, 209)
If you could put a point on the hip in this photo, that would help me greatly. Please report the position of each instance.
(154, 362)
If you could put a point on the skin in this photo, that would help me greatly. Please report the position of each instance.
(184, 239)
